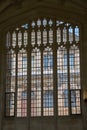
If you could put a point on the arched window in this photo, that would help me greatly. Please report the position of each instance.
(43, 69)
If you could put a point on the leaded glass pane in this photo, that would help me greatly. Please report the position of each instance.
(48, 107)
(36, 82)
(22, 84)
(62, 79)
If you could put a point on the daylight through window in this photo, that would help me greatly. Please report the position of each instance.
(43, 69)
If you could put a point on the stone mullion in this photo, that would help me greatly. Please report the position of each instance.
(29, 78)
(22, 31)
(68, 71)
(83, 62)
(0, 84)
(36, 29)
(55, 91)
(42, 28)
(73, 34)
(47, 29)
(2, 77)
(16, 75)
(61, 28)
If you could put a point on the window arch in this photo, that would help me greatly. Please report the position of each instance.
(39, 54)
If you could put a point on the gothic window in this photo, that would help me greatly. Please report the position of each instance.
(43, 69)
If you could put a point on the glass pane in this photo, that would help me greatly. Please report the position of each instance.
(11, 71)
(9, 98)
(75, 102)
(33, 38)
(50, 36)
(36, 82)
(14, 39)
(8, 40)
(74, 63)
(75, 87)
(44, 37)
(70, 34)
(64, 35)
(62, 81)
(58, 35)
(39, 37)
(25, 38)
(19, 39)
(48, 107)
(22, 84)
(77, 34)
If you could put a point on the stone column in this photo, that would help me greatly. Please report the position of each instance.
(2, 78)
(0, 82)
(84, 74)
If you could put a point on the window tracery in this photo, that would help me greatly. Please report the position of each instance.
(31, 50)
